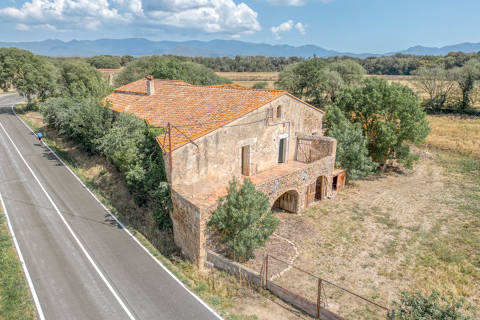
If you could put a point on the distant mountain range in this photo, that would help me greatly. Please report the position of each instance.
(214, 48)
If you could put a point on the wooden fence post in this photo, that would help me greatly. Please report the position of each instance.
(319, 297)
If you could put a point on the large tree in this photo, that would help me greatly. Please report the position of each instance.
(305, 79)
(465, 77)
(350, 71)
(437, 83)
(352, 145)
(31, 75)
(389, 114)
(79, 79)
(244, 218)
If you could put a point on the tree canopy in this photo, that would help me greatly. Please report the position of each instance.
(105, 62)
(318, 83)
(79, 79)
(162, 67)
(352, 145)
(389, 115)
(30, 74)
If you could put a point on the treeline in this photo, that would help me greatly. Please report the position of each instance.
(398, 64)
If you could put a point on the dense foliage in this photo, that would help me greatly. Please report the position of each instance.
(246, 63)
(164, 67)
(352, 145)
(398, 64)
(389, 114)
(79, 79)
(128, 142)
(244, 219)
(85, 120)
(105, 62)
(31, 75)
(317, 82)
(434, 307)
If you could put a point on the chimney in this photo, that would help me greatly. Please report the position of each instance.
(150, 86)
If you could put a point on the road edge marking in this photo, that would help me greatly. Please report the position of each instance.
(22, 261)
(72, 233)
(121, 224)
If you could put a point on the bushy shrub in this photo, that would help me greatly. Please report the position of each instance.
(86, 121)
(125, 140)
(434, 307)
(244, 218)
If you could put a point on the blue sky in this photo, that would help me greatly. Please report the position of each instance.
(374, 26)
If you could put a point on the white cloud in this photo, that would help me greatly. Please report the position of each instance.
(295, 3)
(287, 26)
(211, 16)
(300, 27)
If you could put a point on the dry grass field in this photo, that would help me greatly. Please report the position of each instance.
(456, 133)
(401, 230)
(248, 79)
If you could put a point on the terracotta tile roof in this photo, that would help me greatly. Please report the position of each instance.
(192, 110)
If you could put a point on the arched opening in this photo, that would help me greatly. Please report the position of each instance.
(287, 201)
(321, 188)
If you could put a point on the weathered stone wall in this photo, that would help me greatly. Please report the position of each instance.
(299, 180)
(188, 228)
(216, 157)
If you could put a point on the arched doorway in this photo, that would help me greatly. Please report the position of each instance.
(321, 188)
(287, 201)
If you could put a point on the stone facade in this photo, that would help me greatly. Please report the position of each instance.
(201, 170)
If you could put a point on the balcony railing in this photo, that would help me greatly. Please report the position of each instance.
(312, 148)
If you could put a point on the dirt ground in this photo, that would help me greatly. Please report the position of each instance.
(385, 234)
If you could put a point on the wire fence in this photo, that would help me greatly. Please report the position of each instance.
(318, 297)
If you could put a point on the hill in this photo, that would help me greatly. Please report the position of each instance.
(213, 48)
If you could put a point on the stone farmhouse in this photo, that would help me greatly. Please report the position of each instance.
(215, 133)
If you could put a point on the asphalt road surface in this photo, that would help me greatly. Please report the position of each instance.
(81, 263)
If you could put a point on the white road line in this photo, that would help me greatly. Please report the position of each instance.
(24, 265)
(123, 227)
(85, 252)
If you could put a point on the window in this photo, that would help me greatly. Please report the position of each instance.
(279, 112)
(282, 150)
(246, 160)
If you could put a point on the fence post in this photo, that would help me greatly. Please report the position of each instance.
(319, 297)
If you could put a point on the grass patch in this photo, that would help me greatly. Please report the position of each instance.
(15, 299)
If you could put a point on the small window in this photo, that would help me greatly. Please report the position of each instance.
(246, 160)
(282, 150)
(314, 133)
(279, 112)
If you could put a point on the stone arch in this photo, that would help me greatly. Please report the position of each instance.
(288, 201)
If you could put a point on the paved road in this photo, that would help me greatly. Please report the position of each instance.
(82, 264)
